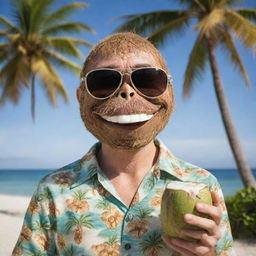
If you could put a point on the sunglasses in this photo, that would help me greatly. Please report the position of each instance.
(150, 82)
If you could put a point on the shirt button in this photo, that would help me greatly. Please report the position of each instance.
(127, 246)
(130, 217)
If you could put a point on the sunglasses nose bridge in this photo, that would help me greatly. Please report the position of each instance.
(126, 77)
(126, 89)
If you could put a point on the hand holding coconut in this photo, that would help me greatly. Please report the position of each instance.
(190, 216)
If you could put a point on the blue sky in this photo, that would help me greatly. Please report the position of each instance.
(195, 132)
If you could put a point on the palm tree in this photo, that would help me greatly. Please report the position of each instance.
(152, 245)
(34, 44)
(217, 24)
(84, 220)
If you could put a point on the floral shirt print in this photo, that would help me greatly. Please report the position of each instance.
(76, 211)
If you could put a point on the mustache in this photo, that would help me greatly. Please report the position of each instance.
(115, 106)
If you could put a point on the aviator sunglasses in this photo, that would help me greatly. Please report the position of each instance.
(150, 82)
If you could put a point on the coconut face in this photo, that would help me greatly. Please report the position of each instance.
(180, 198)
(126, 123)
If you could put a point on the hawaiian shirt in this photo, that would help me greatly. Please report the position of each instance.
(76, 211)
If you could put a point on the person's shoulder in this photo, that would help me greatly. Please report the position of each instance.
(194, 173)
(63, 176)
(66, 175)
(192, 168)
(184, 169)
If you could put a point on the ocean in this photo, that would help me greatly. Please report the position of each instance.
(23, 182)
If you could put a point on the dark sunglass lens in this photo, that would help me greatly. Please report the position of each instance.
(102, 83)
(151, 82)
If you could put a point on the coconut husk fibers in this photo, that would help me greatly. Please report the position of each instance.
(124, 45)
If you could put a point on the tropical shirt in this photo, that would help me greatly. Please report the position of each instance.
(76, 211)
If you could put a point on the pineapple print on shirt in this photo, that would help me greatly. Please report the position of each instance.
(74, 211)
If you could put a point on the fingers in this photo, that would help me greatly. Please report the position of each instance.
(213, 211)
(186, 248)
(171, 244)
(204, 223)
(200, 235)
(205, 239)
(215, 198)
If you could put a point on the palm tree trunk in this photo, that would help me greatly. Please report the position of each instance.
(242, 165)
(33, 100)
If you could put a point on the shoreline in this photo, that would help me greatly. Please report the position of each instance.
(12, 211)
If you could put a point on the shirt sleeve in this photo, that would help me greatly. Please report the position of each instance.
(224, 245)
(37, 233)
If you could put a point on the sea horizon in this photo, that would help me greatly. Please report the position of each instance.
(24, 181)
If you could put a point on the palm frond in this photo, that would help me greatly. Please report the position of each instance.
(196, 65)
(154, 240)
(103, 204)
(64, 45)
(61, 61)
(171, 29)
(248, 14)
(210, 21)
(72, 221)
(144, 213)
(228, 3)
(5, 33)
(113, 240)
(4, 51)
(85, 220)
(23, 15)
(80, 194)
(14, 38)
(78, 41)
(12, 74)
(147, 23)
(4, 46)
(187, 3)
(8, 24)
(38, 13)
(67, 27)
(63, 12)
(202, 5)
(25, 53)
(243, 29)
(230, 48)
(50, 80)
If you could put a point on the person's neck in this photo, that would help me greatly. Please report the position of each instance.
(133, 163)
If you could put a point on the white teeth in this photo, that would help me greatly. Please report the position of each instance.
(128, 119)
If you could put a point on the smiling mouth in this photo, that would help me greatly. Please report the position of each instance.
(128, 119)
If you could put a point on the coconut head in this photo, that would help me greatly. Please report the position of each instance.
(124, 51)
(180, 198)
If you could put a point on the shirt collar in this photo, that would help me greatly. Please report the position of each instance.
(167, 162)
(88, 165)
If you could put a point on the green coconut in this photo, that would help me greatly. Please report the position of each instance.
(180, 198)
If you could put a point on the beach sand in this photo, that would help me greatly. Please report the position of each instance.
(13, 208)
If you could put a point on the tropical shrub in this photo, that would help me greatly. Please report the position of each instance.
(242, 212)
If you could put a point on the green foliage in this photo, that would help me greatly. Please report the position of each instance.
(36, 42)
(215, 20)
(242, 212)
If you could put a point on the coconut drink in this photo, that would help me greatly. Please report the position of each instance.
(180, 198)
